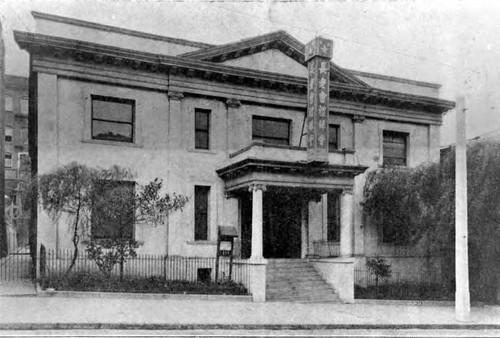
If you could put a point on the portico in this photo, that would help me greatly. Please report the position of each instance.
(260, 185)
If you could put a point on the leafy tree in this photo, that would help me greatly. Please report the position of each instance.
(78, 192)
(420, 203)
(68, 191)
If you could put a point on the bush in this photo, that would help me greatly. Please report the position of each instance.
(89, 281)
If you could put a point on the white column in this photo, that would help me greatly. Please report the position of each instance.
(346, 228)
(257, 194)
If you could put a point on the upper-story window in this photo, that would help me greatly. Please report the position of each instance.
(24, 106)
(333, 137)
(395, 148)
(202, 129)
(24, 135)
(112, 119)
(8, 103)
(8, 134)
(271, 130)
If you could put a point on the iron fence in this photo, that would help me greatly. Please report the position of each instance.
(15, 267)
(365, 278)
(326, 249)
(173, 268)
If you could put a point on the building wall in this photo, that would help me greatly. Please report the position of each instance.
(164, 148)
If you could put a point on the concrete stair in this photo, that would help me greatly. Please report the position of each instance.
(296, 280)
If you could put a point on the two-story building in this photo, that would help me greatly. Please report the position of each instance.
(263, 134)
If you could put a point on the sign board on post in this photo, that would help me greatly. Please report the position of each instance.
(225, 246)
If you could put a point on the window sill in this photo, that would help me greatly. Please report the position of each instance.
(113, 143)
(202, 243)
(202, 151)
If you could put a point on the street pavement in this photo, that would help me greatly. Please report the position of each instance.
(26, 311)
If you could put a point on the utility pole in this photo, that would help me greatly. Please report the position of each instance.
(3, 229)
(462, 297)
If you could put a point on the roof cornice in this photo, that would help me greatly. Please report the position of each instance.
(279, 40)
(93, 25)
(95, 53)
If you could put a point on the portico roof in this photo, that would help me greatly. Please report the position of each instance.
(284, 173)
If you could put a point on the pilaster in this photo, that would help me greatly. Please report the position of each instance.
(346, 224)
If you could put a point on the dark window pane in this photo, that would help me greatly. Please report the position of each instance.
(201, 140)
(202, 129)
(201, 213)
(274, 131)
(112, 119)
(333, 136)
(112, 131)
(112, 111)
(113, 210)
(201, 120)
(394, 148)
(333, 217)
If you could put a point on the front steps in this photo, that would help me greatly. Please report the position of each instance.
(296, 280)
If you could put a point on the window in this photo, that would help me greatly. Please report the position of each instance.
(333, 217)
(394, 148)
(8, 103)
(112, 119)
(8, 134)
(333, 137)
(201, 194)
(8, 160)
(113, 210)
(271, 130)
(24, 135)
(202, 129)
(24, 106)
(23, 162)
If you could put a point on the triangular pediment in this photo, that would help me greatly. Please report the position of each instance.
(266, 52)
(271, 60)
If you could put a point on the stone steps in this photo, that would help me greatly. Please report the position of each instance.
(296, 280)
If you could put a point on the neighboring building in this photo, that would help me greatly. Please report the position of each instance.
(16, 158)
(226, 125)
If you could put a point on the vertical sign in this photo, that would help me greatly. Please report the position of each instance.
(318, 55)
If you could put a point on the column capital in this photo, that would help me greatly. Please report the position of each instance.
(254, 187)
(233, 103)
(347, 191)
(358, 118)
(172, 95)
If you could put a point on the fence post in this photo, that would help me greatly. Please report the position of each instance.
(43, 261)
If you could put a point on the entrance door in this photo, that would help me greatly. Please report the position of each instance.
(281, 224)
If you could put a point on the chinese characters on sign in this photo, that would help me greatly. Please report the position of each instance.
(318, 54)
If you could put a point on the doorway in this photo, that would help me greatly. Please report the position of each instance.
(282, 236)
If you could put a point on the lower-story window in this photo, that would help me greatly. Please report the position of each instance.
(201, 200)
(113, 211)
(333, 217)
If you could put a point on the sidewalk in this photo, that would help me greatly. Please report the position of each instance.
(31, 312)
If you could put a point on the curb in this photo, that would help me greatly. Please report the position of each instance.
(405, 302)
(290, 327)
(130, 295)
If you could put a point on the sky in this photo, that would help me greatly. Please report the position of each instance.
(450, 42)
